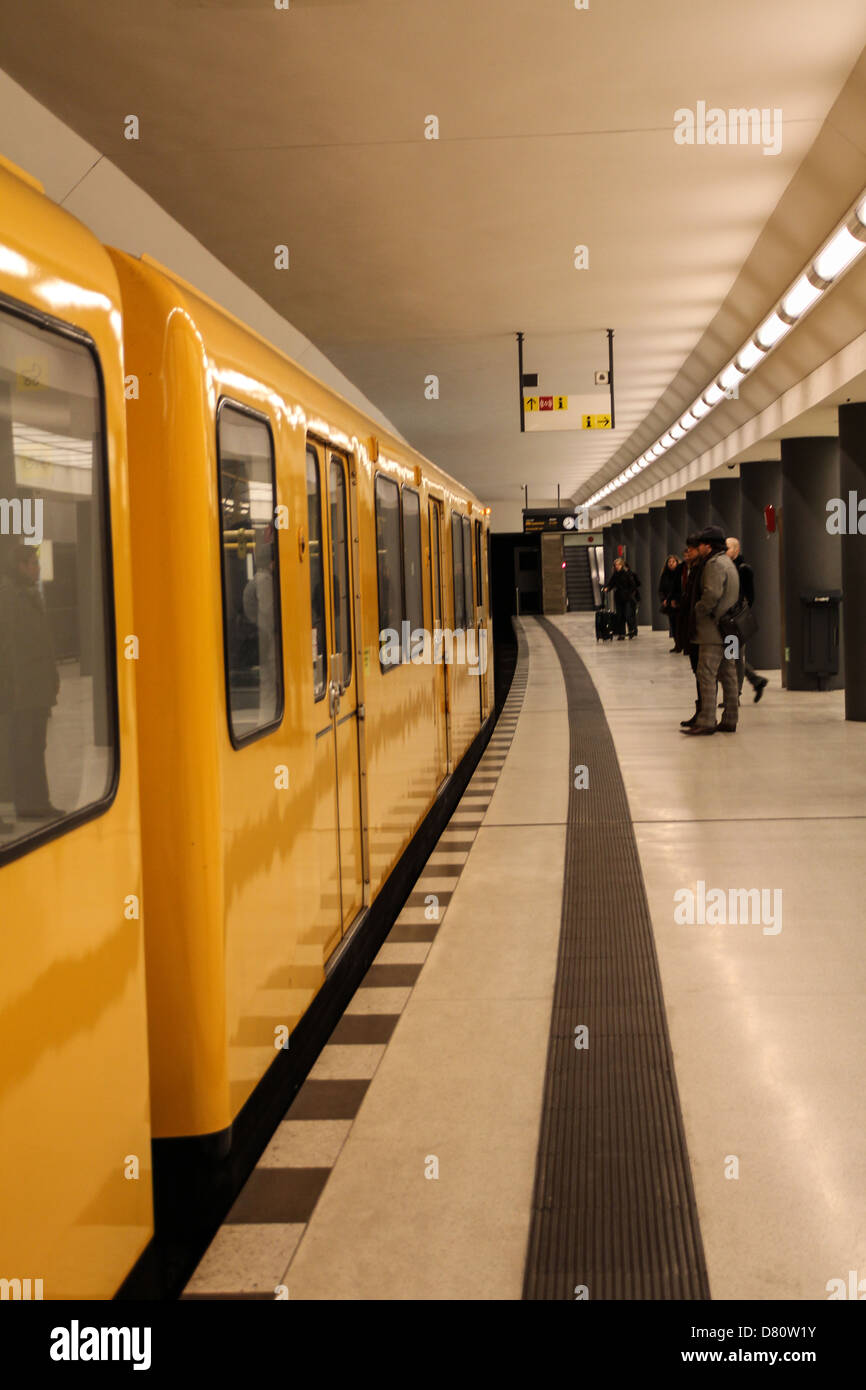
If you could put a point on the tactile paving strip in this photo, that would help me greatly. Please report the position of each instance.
(251, 1253)
(614, 1214)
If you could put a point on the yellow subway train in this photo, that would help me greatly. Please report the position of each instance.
(245, 670)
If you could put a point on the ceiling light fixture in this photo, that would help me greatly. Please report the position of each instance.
(841, 249)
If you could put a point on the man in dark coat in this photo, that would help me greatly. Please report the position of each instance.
(689, 576)
(670, 593)
(747, 589)
(33, 683)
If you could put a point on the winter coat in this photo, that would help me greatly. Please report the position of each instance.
(670, 586)
(624, 585)
(718, 590)
(28, 674)
(747, 580)
(690, 576)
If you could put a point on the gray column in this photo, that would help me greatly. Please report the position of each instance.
(628, 540)
(641, 567)
(760, 487)
(676, 534)
(852, 492)
(697, 511)
(725, 505)
(658, 553)
(811, 557)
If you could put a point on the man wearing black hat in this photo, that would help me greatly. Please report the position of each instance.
(718, 588)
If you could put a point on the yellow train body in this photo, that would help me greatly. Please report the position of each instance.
(162, 947)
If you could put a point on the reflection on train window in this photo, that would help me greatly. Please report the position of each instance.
(251, 603)
(457, 557)
(467, 571)
(340, 576)
(479, 582)
(317, 573)
(412, 560)
(58, 711)
(389, 561)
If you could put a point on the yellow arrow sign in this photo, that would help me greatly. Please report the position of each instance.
(595, 422)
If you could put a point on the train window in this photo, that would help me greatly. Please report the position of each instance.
(251, 596)
(317, 573)
(457, 557)
(58, 696)
(467, 571)
(340, 572)
(479, 579)
(389, 564)
(435, 572)
(412, 560)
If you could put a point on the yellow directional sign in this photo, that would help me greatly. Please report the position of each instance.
(595, 422)
(530, 402)
(545, 402)
(560, 402)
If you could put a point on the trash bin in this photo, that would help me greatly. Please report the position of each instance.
(821, 633)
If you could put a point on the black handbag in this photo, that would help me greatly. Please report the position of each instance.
(739, 622)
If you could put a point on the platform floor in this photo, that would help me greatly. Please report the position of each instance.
(406, 1167)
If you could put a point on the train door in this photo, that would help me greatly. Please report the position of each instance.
(440, 668)
(338, 760)
(473, 666)
(480, 625)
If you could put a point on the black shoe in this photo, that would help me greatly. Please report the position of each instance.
(724, 728)
(760, 686)
(688, 723)
(621, 637)
(631, 635)
(674, 649)
(700, 729)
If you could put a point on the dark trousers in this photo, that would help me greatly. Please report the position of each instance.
(692, 651)
(29, 735)
(671, 615)
(626, 612)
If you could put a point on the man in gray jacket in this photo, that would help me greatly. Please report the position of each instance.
(718, 590)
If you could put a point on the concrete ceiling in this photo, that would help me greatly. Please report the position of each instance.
(412, 257)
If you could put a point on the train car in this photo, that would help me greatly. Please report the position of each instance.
(75, 1159)
(294, 576)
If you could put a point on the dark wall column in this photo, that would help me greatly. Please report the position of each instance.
(760, 487)
(697, 511)
(725, 505)
(811, 557)
(628, 539)
(641, 567)
(658, 553)
(852, 491)
(676, 534)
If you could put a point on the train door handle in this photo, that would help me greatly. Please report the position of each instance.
(334, 693)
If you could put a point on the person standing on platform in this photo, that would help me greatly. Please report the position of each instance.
(718, 588)
(670, 593)
(624, 587)
(747, 589)
(689, 575)
(34, 687)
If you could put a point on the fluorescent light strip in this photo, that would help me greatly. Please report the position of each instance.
(841, 249)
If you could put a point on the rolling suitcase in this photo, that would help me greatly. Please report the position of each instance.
(605, 619)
